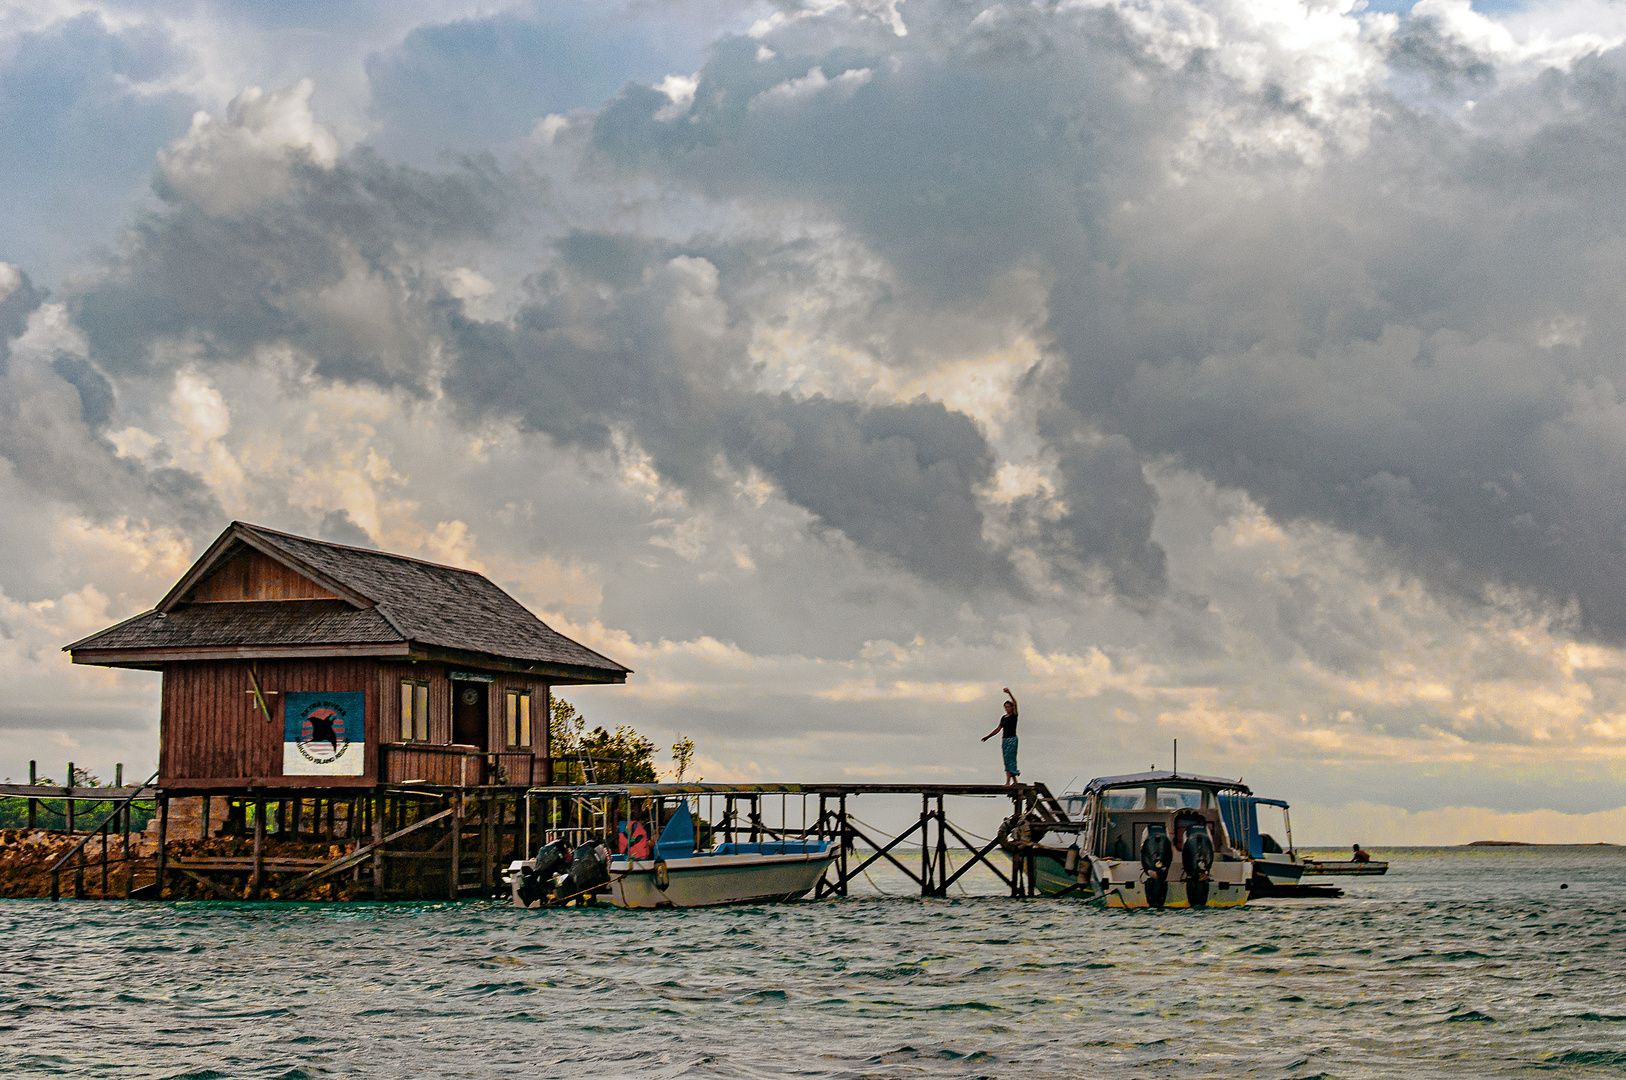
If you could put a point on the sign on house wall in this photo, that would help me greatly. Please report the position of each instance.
(324, 734)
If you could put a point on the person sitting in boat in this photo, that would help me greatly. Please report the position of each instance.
(1007, 744)
(1361, 855)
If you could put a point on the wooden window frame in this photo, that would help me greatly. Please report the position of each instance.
(518, 717)
(414, 711)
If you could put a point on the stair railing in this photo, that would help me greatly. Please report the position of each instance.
(104, 831)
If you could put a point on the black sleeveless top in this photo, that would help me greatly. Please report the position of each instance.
(1007, 725)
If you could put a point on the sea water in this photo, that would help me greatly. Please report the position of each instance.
(1461, 963)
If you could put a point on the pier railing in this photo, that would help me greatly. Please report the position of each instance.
(120, 814)
(457, 765)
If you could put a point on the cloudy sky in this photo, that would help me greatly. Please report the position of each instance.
(1247, 372)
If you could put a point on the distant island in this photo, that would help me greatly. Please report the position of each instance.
(1525, 843)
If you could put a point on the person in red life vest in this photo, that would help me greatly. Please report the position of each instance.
(632, 838)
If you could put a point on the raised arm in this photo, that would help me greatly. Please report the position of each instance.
(1012, 697)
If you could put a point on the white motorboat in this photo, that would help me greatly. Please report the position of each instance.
(675, 874)
(671, 872)
(1153, 839)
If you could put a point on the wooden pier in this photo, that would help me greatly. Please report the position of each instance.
(413, 842)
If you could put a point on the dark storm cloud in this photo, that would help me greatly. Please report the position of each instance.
(232, 281)
(1423, 47)
(1416, 337)
(955, 162)
(666, 358)
(53, 416)
(473, 82)
(898, 479)
(96, 399)
(340, 528)
(81, 115)
(1106, 526)
(15, 308)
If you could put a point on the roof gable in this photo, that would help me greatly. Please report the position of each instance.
(246, 575)
(241, 541)
(244, 591)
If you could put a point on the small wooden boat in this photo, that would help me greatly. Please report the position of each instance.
(1329, 867)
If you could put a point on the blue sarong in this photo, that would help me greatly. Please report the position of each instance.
(1008, 745)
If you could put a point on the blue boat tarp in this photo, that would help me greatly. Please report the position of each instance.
(677, 839)
(1241, 819)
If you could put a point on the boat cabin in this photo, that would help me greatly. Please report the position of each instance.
(292, 663)
(1120, 811)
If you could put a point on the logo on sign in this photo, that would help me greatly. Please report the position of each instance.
(324, 733)
(323, 738)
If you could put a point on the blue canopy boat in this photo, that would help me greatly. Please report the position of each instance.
(677, 875)
(1274, 867)
(618, 863)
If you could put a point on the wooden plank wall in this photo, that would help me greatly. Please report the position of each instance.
(390, 675)
(539, 711)
(249, 575)
(212, 734)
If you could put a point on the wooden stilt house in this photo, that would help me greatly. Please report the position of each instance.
(292, 664)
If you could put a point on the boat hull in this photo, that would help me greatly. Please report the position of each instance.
(1313, 868)
(1279, 871)
(1118, 884)
(713, 880)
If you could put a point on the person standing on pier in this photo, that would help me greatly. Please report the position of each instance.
(1007, 744)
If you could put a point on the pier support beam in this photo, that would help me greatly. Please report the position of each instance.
(163, 843)
(259, 848)
(456, 873)
(378, 841)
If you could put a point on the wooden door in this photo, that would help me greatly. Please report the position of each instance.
(471, 715)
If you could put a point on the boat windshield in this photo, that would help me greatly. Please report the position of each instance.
(1179, 799)
(1125, 799)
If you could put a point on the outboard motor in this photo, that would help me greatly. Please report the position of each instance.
(1196, 859)
(534, 880)
(589, 869)
(1156, 856)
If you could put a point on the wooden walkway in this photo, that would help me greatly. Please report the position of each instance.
(581, 812)
(421, 842)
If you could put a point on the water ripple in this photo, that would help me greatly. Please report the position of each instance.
(1462, 963)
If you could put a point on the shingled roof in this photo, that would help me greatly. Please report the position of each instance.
(384, 605)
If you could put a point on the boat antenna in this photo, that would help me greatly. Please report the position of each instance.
(1177, 757)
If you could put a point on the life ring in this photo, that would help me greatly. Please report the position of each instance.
(663, 877)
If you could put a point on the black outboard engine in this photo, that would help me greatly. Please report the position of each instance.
(1156, 856)
(1196, 859)
(536, 879)
(589, 868)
